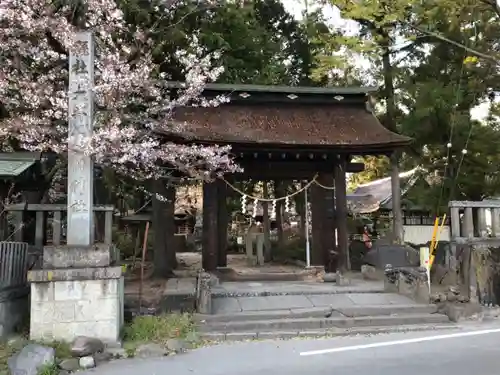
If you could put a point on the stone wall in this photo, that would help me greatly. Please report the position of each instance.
(14, 310)
(61, 310)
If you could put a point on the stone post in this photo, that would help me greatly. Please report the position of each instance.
(79, 291)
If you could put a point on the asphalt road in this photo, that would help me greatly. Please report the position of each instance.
(456, 352)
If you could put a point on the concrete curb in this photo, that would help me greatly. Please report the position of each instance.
(284, 335)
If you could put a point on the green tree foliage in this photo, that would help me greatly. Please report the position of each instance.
(260, 42)
(435, 83)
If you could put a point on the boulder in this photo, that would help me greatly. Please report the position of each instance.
(84, 346)
(31, 359)
(396, 255)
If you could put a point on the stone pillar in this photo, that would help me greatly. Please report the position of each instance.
(80, 289)
(80, 128)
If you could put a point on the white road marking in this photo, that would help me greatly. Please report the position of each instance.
(401, 342)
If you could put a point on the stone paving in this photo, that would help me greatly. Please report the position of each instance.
(181, 286)
(229, 305)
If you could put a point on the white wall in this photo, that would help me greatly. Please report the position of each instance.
(420, 234)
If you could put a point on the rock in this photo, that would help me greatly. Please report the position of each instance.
(69, 364)
(87, 362)
(117, 352)
(84, 346)
(454, 289)
(150, 351)
(30, 359)
(451, 297)
(329, 277)
(177, 345)
(463, 299)
(63, 372)
(102, 357)
(341, 280)
(457, 313)
(369, 272)
(438, 297)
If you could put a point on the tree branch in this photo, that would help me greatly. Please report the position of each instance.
(457, 44)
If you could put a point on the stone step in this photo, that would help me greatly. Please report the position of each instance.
(291, 290)
(319, 312)
(304, 324)
(331, 332)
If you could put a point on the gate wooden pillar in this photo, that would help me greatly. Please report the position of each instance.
(210, 236)
(323, 223)
(223, 221)
(341, 217)
(318, 215)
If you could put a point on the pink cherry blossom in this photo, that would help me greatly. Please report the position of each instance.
(36, 37)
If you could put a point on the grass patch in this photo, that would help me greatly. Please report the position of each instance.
(49, 370)
(6, 351)
(62, 349)
(160, 328)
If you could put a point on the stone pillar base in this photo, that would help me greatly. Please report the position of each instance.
(67, 256)
(66, 303)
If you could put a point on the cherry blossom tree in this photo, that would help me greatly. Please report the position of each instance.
(132, 98)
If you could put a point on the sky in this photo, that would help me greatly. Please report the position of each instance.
(332, 14)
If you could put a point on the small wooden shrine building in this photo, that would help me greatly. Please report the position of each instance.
(287, 133)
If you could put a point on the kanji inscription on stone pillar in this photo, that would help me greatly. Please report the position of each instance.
(80, 128)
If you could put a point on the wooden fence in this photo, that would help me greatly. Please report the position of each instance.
(50, 219)
(14, 264)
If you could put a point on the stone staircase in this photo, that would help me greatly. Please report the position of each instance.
(243, 310)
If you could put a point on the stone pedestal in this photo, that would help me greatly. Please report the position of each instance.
(79, 292)
(408, 281)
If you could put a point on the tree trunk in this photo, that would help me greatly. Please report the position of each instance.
(390, 123)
